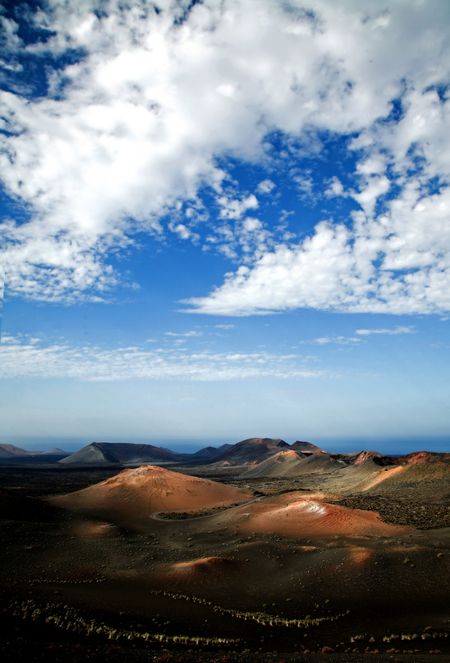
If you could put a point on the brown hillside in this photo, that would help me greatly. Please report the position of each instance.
(135, 494)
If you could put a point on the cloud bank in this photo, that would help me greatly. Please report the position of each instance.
(140, 104)
(24, 357)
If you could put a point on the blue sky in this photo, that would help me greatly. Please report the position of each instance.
(218, 222)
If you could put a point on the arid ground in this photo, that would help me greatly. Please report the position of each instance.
(151, 564)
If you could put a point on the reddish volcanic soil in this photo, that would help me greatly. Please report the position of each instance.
(135, 494)
(426, 457)
(383, 476)
(201, 565)
(93, 529)
(297, 514)
(201, 570)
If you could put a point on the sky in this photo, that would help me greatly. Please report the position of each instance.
(225, 219)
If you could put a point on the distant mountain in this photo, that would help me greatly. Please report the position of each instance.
(282, 464)
(12, 455)
(246, 452)
(118, 453)
(9, 451)
(290, 464)
(209, 453)
(306, 447)
(252, 450)
(320, 464)
(419, 457)
(383, 460)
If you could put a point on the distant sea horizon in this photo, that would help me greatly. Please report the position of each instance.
(387, 445)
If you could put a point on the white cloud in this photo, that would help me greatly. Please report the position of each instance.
(398, 262)
(182, 231)
(389, 331)
(373, 187)
(335, 340)
(192, 333)
(21, 357)
(139, 123)
(375, 164)
(9, 39)
(305, 185)
(266, 186)
(235, 209)
(335, 188)
(244, 238)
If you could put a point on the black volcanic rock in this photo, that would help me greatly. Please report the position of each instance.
(118, 453)
(14, 506)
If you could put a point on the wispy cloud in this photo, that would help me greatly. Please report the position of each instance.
(388, 331)
(335, 340)
(192, 333)
(23, 357)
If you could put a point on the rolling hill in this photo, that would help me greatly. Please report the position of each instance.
(135, 494)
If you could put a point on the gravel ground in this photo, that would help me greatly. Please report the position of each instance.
(402, 511)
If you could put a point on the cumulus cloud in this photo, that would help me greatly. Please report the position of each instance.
(159, 94)
(397, 262)
(22, 357)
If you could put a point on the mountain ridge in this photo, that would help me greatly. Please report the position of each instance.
(247, 453)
